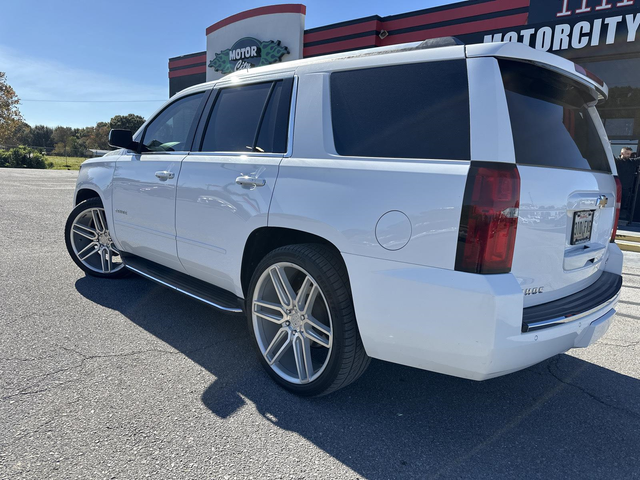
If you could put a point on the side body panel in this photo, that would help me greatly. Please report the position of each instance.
(343, 199)
(215, 215)
(144, 206)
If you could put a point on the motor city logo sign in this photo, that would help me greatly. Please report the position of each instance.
(575, 35)
(541, 11)
(246, 53)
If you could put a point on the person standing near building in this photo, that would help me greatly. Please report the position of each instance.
(626, 154)
(627, 167)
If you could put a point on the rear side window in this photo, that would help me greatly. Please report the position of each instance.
(551, 122)
(418, 110)
(252, 118)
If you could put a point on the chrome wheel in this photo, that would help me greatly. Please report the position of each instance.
(92, 244)
(292, 323)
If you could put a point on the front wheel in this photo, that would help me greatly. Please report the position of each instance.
(301, 317)
(89, 242)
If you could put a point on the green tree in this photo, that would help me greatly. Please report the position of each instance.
(61, 134)
(98, 136)
(127, 122)
(10, 116)
(42, 136)
(21, 135)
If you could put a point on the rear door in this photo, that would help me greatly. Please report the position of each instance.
(225, 186)
(567, 194)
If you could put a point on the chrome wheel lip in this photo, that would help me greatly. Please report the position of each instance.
(100, 236)
(295, 337)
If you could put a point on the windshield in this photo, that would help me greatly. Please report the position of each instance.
(551, 122)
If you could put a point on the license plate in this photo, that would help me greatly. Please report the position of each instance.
(582, 224)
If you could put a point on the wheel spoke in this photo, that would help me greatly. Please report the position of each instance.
(271, 318)
(268, 316)
(283, 288)
(280, 335)
(103, 220)
(96, 220)
(91, 248)
(302, 354)
(103, 260)
(307, 295)
(306, 350)
(318, 325)
(109, 258)
(316, 337)
(86, 232)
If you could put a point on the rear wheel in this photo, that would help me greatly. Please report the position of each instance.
(89, 242)
(301, 316)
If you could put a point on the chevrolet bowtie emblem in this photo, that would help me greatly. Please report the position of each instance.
(602, 201)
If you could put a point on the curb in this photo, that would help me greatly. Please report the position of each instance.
(628, 241)
(628, 246)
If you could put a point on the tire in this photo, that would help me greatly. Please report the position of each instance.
(319, 330)
(88, 241)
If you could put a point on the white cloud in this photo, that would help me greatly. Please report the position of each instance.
(42, 79)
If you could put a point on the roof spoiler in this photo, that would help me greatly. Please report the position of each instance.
(523, 53)
(440, 42)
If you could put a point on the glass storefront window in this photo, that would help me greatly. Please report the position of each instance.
(616, 73)
(619, 127)
(621, 112)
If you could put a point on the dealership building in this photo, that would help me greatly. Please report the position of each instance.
(600, 35)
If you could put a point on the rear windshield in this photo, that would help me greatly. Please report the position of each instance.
(551, 123)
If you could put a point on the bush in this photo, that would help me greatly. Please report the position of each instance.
(22, 157)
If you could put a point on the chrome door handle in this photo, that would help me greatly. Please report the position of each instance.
(250, 181)
(165, 175)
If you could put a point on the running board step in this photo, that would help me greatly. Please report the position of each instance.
(194, 288)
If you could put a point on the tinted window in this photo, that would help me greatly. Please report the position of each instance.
(241, 113)
(274, 129)
(169, 131)
(408, 111)
(551, 123)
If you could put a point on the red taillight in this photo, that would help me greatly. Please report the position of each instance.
(618, 204)
(489, 218)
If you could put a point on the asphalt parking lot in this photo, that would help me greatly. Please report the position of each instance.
(126, 379)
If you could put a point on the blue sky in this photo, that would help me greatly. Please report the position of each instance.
(99, 51)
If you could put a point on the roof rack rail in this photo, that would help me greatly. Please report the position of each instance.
(440, 42)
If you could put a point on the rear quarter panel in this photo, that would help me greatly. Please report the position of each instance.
(342, 198)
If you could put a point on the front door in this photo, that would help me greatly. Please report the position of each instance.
(144, 184)
(225, 188)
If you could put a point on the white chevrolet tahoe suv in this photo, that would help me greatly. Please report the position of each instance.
(442, 206)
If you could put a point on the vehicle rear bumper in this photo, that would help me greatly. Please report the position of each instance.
(460, 324)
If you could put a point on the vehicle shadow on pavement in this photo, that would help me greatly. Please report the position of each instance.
(562, 418)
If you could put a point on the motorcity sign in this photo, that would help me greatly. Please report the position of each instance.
(246, 53)
(548, 10)
(618, 33)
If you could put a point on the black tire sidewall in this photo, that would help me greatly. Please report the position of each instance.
(292, 254)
